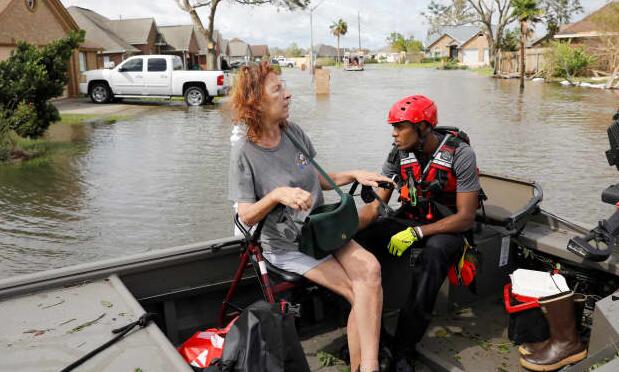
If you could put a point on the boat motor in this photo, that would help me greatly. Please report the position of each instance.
(600, 242)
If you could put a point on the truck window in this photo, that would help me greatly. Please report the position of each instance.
(157, 65)
(177, 64)
(133, 65)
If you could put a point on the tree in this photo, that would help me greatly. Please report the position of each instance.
(510, 42)
(399, 43)
(339, 28)
(29, 79)
(190, 7)
(494, 16)
(607, 47)
(293, 50)
(528, 13)
(559, 12)
(457, 13)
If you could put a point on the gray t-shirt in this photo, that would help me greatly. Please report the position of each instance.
(255, 171)
(464, 166)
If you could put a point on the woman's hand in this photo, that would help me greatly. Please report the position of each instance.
(294, 197)
(370, 179)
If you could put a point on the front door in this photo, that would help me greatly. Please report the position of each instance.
(128, 78)
(453, 53)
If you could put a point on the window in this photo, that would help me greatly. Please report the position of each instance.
(157, 64)
(133, 65)
(83, 66)
(177, 64)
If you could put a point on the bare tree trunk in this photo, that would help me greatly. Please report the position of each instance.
(195, 19)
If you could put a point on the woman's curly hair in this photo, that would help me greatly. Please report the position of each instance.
(246, 97)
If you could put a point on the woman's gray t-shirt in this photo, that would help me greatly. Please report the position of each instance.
(255, 171)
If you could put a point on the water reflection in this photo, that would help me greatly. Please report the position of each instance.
(160, 180)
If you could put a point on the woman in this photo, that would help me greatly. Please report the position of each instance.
(271, 179)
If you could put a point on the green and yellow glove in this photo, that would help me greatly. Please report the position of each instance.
(401, 241)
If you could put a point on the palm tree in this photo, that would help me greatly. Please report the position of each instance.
(528, 13)
(339, 28)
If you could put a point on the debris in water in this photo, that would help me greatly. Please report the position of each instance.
(67, 321)
(87, 324)
(38, 332)
(106, 303)
(52, 305)
(465, 312)
(438, 332)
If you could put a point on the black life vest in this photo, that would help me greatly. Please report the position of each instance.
(429, 194)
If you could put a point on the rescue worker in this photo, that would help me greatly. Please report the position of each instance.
(439, 197)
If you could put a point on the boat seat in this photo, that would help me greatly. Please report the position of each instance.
(510, 202)
(282, 274)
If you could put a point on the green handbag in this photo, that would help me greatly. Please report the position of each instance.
(329, 226)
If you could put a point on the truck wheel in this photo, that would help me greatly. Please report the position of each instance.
(195, 96)
(100, 93)
(290, 65)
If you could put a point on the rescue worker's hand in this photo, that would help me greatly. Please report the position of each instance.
(370, 179)
(401, 241)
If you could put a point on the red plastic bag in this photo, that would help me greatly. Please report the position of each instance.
(205, 346)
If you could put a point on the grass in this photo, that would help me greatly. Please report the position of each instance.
(410, 65)
(72, 119)
(484, 71)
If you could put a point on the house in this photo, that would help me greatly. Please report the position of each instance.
(388, 55)
(592, 26)
(182, 41)
(53, 22)
(115, 49)
(598, 34)
(259, 52)
(239, 51)
(141, 33)
(465, 44)
(221, 50)
(325, 51)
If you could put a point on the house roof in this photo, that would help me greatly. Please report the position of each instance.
(135, 31)
(323, 50)
(239, 48)
(259, 50)
(178, 37)
(203, 43)
(590, 26)
(461, 34)
(97, 32)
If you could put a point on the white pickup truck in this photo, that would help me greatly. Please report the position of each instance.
(283, 62)
(159, 76)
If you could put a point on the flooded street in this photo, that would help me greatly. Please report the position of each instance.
(160, 180)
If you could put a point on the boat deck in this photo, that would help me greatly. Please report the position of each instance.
(47, 331)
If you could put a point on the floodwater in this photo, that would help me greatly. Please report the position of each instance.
(160, 180)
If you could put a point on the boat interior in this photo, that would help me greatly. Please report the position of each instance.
(65, 313)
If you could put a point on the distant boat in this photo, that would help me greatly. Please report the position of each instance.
(353, 61)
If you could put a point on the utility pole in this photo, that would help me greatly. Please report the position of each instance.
(311, 12)
(359, 29)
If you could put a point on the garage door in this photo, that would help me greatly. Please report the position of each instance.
(486, 57)
(470, 57)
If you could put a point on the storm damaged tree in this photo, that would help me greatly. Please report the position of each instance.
(29, 78)
(191, 6)
(606, 47)
(494, 16)
(456, 13)
(558, 13)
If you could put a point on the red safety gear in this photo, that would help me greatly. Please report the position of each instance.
(414, 109)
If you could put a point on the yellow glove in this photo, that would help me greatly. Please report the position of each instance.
(401, 241)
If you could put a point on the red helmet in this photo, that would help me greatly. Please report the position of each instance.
(414, 109)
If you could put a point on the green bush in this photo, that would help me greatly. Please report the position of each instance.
(452, 65)
(29, 79)
(566, 61)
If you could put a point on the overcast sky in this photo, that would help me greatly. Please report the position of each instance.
(267, 25)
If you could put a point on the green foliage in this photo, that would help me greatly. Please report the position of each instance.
(527, 10)
(511, 40)
(326, 359)
(294, 51)
(339, 28)
(29, 79)
(566, 61)
(559, 12)
(399, 43)
(452, 65)
(324, 61)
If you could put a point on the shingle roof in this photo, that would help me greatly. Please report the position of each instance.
(323, 50)
(460, 34)
(239, 48)
(97, 33)
(134, 31)
(589, 24)
(178, 37)
(260, 50)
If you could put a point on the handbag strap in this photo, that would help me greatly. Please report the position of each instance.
(300, 147)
